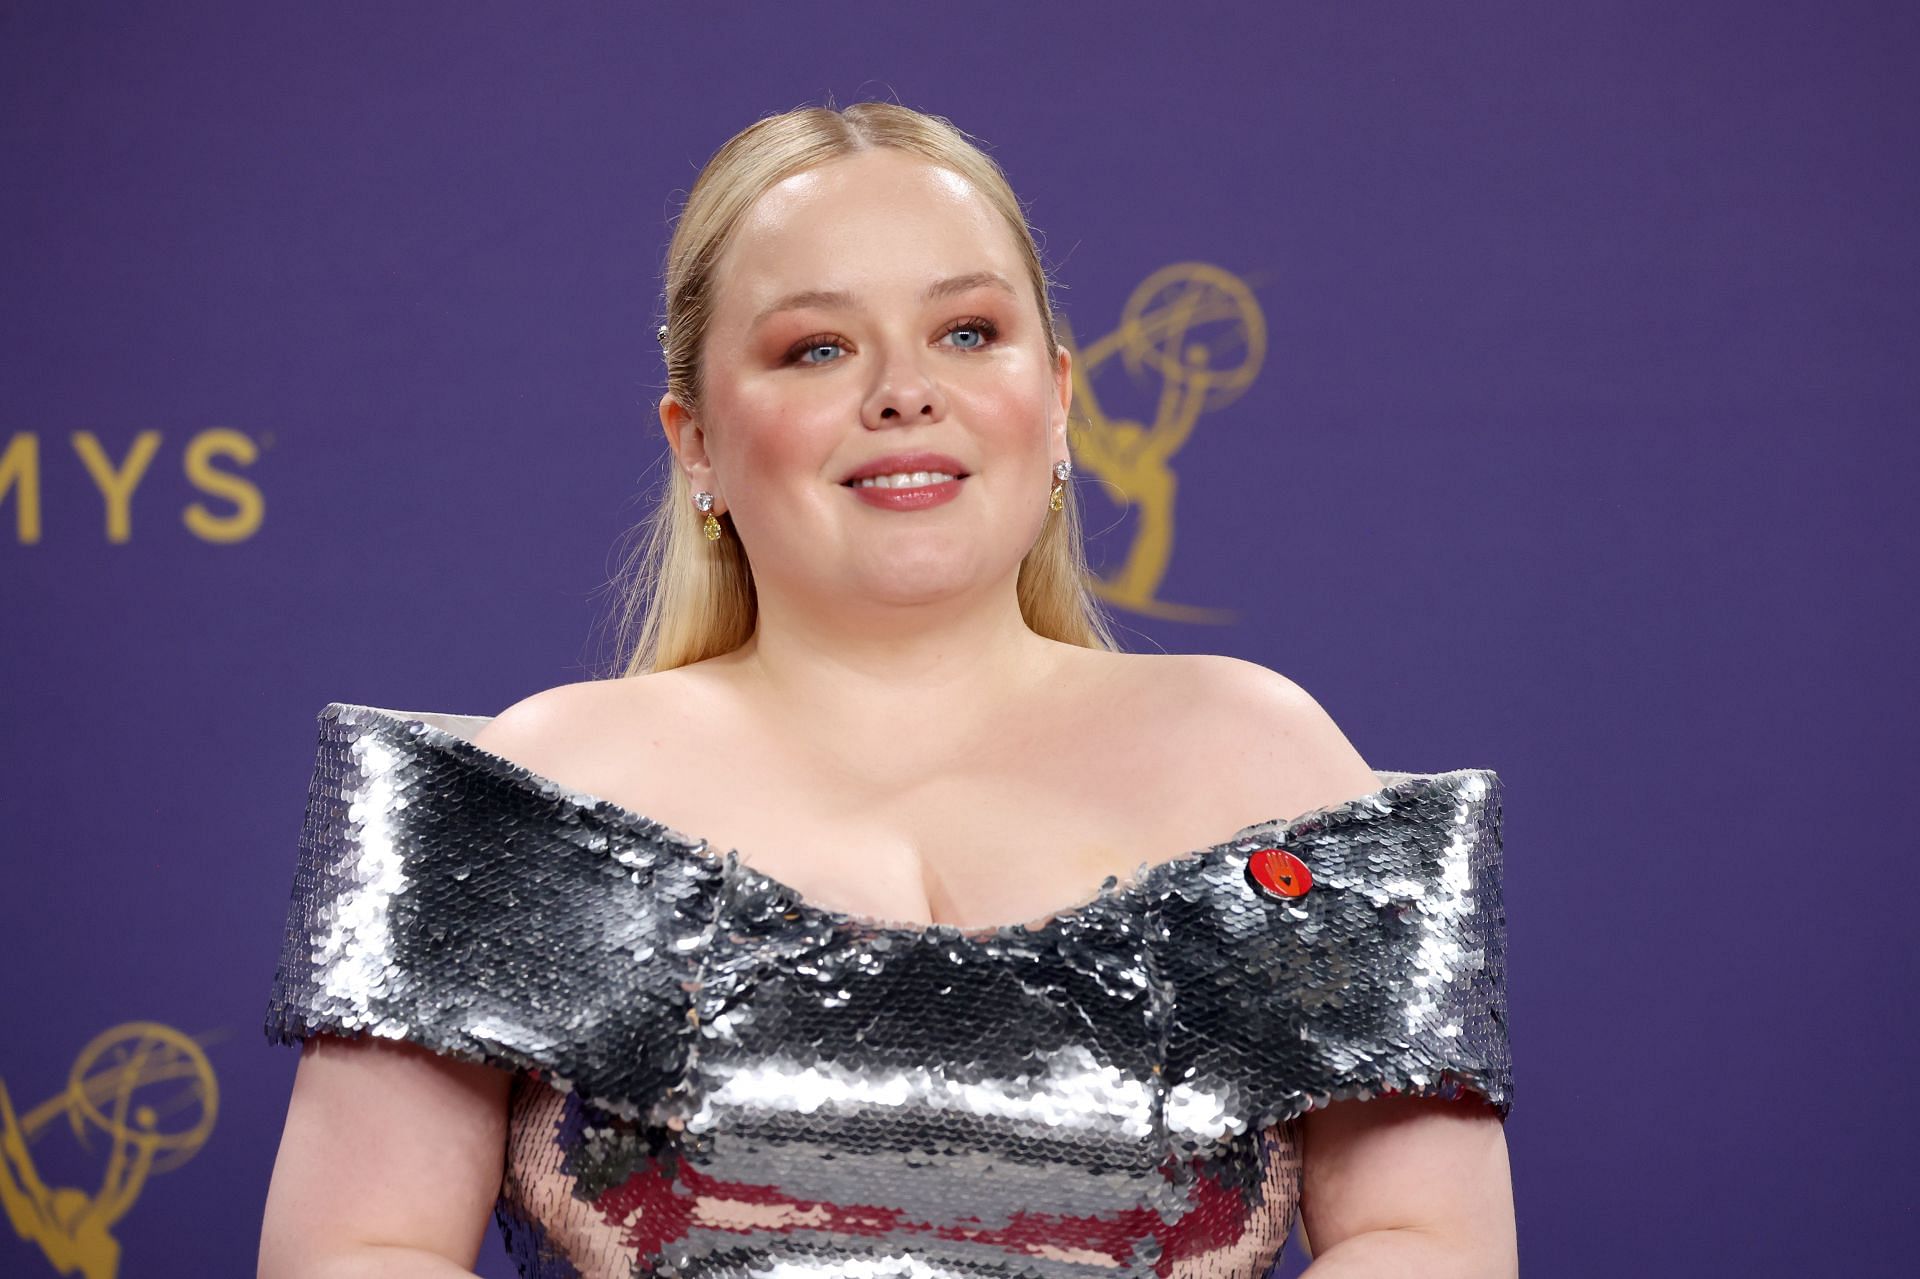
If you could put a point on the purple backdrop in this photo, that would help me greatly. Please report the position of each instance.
(1573, 438)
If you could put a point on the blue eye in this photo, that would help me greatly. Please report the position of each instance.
(813, 345)
(984, 330)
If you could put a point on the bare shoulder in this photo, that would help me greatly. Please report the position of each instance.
(535, 729)
(564, 731)
(1279, 733)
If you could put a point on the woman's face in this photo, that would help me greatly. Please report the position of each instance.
(871, 307)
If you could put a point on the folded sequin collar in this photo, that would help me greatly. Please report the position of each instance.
(446, 894)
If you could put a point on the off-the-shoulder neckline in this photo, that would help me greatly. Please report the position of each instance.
(1377, 804)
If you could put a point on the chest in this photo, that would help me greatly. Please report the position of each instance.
(980, 838)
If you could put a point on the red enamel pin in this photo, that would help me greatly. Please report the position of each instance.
(1278, 873)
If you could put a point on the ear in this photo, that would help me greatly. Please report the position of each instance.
(1063, 401)
(689, 444)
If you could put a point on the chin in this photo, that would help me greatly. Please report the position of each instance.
(919, 580)
(916, 590)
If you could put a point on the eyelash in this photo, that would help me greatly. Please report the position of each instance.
(988, 330)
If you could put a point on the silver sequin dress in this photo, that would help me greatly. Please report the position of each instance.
(715, 1077)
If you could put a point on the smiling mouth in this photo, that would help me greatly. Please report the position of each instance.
(905, 479)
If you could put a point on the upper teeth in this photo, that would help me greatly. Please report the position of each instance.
(902, 480)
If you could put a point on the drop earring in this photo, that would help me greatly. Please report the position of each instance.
(711, 527)
(1061, 470)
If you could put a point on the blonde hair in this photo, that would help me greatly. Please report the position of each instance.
(689, 599)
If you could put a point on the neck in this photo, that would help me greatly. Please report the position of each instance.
(942, 671)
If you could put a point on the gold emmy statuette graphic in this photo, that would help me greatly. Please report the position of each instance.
(1198, 331)
(149, 1091)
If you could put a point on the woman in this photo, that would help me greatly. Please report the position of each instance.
(903, 1032)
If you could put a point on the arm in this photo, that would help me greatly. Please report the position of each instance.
(1407, 1185)
(392, 1155)
(1390, 1185)
(389, 1163)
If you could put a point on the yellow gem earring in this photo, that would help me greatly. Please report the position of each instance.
(704, 501)
(1061, 470)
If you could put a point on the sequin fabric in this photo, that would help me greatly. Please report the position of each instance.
(713, 1076)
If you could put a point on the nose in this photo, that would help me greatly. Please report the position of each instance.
(903, 393)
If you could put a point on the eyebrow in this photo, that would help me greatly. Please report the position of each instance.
(840, 297)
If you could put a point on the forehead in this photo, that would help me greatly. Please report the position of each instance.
(871, 221)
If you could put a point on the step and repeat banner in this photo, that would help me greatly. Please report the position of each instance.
(1534, 386)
